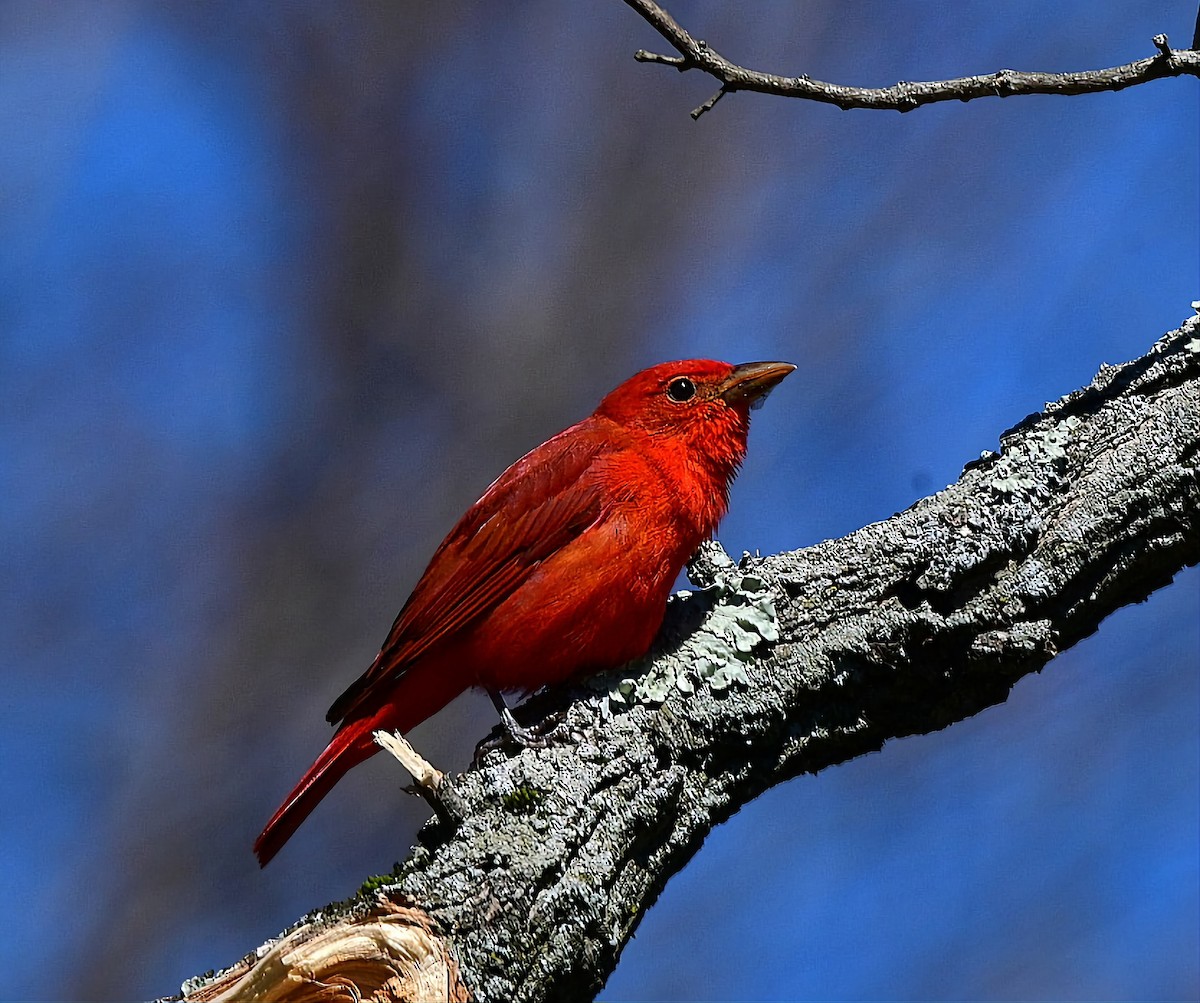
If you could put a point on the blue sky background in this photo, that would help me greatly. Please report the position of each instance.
(283, 287)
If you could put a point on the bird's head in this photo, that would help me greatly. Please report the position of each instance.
(697, 403)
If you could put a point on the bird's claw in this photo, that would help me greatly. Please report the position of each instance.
(539, 736)
(531, 738)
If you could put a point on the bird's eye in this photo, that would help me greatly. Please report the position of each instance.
(681, 389)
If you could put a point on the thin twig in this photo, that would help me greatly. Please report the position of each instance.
(707, 106)
(429, 781)
(695, 54)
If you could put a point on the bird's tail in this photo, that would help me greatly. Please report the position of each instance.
(352, 744)
(421, 694)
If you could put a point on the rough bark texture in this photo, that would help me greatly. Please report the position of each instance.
(786, 664)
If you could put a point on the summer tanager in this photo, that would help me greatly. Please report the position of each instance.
(561, 569)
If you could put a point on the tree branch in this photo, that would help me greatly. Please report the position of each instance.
(779, 666)
(696, 54)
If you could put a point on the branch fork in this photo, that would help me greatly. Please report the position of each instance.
(696, 54)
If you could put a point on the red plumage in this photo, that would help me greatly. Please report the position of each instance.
(562, 568)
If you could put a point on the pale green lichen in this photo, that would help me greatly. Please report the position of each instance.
(197, 982)
(715, 655)
(1044, 448)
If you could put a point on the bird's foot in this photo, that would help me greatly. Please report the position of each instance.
(530, 738)
(539, 736)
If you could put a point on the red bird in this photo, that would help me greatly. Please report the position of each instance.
(561, 569)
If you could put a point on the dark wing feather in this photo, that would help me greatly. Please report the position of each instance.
(535, 508)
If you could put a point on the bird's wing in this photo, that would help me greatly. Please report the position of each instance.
(535, 508)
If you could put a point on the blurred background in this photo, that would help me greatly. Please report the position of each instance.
(284, 286)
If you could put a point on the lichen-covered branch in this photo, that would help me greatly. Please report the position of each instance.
(696, 54)
(777, 666)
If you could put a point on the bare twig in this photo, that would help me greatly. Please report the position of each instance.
(430, 782)
(696, 54)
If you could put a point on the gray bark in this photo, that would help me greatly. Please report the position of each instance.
(695, 54)
(787, 664)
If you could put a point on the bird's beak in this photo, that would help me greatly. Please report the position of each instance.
(752, 381)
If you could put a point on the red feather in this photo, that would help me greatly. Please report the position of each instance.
(561, 568)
